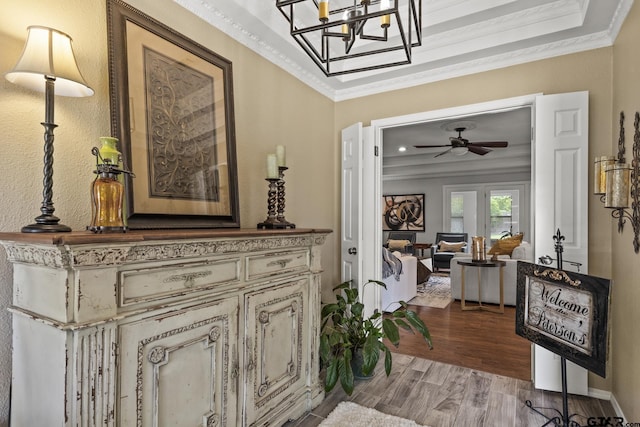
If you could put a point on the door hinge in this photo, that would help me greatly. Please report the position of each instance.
(375, 151)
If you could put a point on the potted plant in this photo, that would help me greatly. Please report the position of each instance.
(349, 338)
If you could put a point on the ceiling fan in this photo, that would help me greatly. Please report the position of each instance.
(460, 145)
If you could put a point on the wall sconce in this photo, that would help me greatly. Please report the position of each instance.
(615, 181)
(48, 64)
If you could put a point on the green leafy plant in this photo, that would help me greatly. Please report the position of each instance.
(346, 331)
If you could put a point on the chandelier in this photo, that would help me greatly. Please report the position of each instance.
(348, 36)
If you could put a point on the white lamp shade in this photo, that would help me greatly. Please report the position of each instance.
(48, 52)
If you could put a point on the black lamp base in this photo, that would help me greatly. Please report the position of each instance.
(46, 224)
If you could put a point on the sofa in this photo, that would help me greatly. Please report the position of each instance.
(490, 277)
(400, 287)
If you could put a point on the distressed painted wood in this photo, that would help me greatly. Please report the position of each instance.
(165, 327)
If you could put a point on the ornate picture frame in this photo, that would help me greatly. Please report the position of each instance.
(565, 312)
(403, 212)
(172, 111)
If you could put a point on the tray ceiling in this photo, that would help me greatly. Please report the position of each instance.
(459, 37)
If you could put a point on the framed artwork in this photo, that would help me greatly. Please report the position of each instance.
(403, 212)
(564, 312)
(172, 111)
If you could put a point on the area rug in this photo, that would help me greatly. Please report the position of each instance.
(349, 414)
(436, 292)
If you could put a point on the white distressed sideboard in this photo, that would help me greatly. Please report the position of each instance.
(165, 327)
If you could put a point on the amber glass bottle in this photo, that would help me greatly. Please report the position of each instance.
(106, 196)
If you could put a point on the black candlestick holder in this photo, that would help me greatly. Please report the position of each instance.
(281, 193)
(275, 203)
(271, 221)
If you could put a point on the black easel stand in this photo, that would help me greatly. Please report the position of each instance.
(563, 419)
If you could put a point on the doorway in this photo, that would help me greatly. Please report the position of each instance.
(502, 172)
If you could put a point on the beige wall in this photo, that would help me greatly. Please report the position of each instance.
(625, 340)
(271, 108)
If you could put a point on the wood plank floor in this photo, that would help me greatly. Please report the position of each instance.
(477, 375)
(474, 339)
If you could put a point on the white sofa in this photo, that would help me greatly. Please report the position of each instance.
(403, 289)
(490, 277)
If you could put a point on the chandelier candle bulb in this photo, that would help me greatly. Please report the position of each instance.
(617, 194)
(323, 10)
(281, 156)
(385, 20)
(272, 167)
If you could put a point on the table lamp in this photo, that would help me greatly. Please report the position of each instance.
(48, 65)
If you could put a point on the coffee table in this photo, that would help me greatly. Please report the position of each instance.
(479, 265)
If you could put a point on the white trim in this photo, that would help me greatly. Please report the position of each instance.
(596, 393)
(615, 404)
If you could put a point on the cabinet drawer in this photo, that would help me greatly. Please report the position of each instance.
(259, 266)
(148, 284)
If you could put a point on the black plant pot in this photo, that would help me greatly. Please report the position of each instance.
(357, 363)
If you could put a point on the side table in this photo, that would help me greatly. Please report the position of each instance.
(479, 265)
(421, 247)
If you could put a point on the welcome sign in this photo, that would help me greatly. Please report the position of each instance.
(564, 312)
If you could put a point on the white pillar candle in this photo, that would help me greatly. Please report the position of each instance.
(272, 167)
(281, 156)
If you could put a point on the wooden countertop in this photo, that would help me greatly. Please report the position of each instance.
(85, 237)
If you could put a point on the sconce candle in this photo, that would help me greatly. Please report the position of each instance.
(600, 178)
(617, 195)
(272, 167)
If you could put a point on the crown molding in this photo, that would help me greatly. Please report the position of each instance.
(448, 46)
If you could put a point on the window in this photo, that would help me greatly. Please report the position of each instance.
(490, 210)
(503, 213)
(457, 213)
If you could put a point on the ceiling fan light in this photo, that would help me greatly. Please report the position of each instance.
(459, 151)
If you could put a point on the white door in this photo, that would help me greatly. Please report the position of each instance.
(351, 203)
(561, 191)
(358, 248)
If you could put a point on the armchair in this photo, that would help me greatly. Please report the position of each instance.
(444, 248)
(402, 241)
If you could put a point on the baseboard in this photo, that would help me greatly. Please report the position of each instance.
(607, 395)
(617, 407)
(599, 394)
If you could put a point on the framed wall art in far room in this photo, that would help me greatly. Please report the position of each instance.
(403, 212)
(172, 110)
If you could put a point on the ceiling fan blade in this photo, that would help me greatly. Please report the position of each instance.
(493, 144)
(432, 146)
(478, 150)
(443, 153)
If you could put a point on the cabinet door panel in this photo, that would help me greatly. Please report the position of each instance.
(275, 355)
(180, 368)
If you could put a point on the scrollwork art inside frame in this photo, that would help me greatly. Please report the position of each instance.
(172, 110)
(403, 212)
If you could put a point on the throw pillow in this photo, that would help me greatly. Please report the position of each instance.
(450, 246)
(506, 245)
(397, 245)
